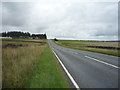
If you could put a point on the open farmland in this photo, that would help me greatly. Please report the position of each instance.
(89, 43)
(24, 64)
(105, 47)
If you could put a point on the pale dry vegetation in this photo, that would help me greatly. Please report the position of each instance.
(105, 47)
(92, 43)
(19, 63)
(30, 65)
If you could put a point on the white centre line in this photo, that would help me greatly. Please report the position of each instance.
(102, 62)
(69, 75)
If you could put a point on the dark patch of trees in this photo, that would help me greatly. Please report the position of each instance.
(18, 34)
(55, 39)
(39, 36)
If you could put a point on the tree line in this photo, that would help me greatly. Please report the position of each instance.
(19, 34)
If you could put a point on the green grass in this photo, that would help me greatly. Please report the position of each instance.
(80, 45)
(18, 64)
(20, 42)
(31, 66)
(27, 41)
(48, 73)
(73, 44)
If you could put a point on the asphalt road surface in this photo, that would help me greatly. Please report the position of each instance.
(89, 69)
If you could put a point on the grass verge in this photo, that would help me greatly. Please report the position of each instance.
(31, 66)
(48, 73)
(18, 65)
(103, 51)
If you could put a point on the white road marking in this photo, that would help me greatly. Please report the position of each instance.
(102, 62)
(69, 75)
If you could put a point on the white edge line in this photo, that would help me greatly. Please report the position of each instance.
(69, 75)
(102, 62)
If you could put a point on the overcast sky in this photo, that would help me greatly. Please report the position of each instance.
(63, 19)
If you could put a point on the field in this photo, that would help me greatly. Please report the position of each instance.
(105, 47)
(30, 65)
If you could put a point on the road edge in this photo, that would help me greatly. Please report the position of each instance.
(66, 71)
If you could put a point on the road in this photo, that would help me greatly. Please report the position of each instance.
(89, 69)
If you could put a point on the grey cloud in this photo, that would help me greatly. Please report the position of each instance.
(108, 29)
(41, 28)
(14, 14)
(119, 20)
(111, 33)
(63, 20)
(93, 12)
(0, 17)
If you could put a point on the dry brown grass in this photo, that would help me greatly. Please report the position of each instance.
(0, 64)
(40, 40)
(18, 64)
(96, 43)
(112, 44)
(82, 46)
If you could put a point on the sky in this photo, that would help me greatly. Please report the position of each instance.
(63, 19)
